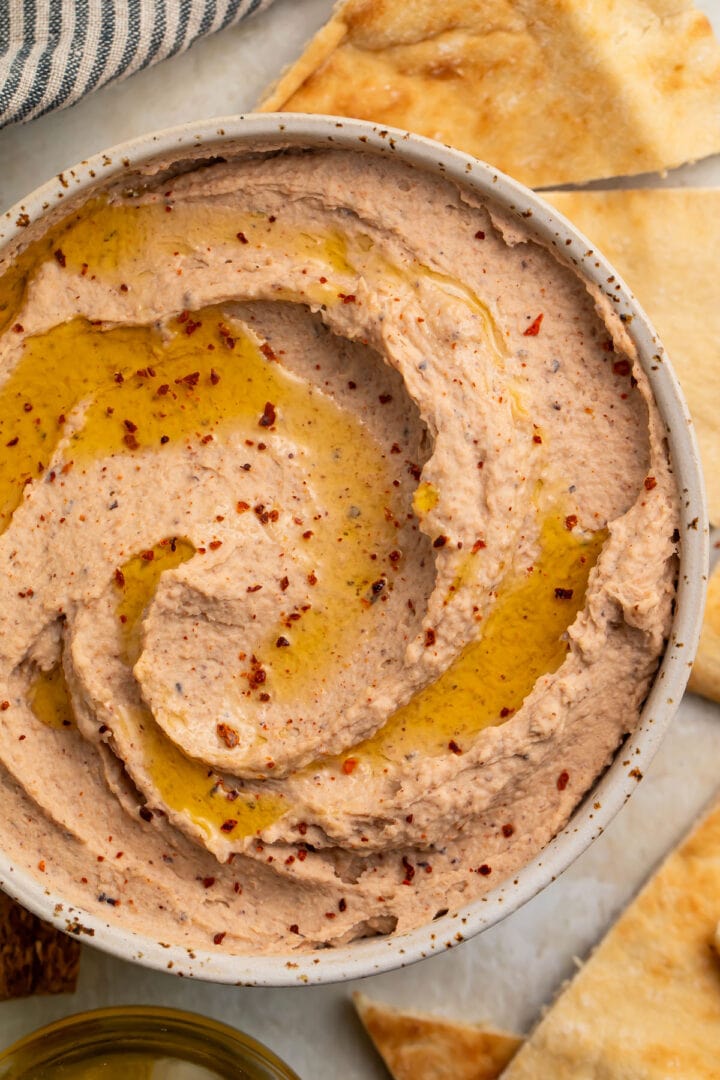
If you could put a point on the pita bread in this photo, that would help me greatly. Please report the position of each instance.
(646, 1006)
(417, 1047)
(550, 91)
(665, 244)
(705, 675)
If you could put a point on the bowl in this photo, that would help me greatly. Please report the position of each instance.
(140, 1040)
(616, 785)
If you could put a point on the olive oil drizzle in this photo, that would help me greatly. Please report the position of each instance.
(184, 785)
(522, 640)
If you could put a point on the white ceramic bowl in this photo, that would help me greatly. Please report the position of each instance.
(617, 784)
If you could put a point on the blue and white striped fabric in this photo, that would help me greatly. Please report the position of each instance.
(52, 52)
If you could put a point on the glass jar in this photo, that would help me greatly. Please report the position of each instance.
(142, 1043)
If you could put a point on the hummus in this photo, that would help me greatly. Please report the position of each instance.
(337, 556)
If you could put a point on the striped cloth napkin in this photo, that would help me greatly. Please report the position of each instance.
(52, 52)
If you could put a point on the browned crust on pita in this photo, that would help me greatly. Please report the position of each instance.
(705, 675)
(415, 1046)
(34, 957)
(550, 91)
(647, 1003)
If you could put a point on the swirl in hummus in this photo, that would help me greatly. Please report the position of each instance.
(338, 549)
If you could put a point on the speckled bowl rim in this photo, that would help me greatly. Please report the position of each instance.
(617, 784)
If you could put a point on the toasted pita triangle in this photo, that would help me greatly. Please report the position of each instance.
(646, 1006)
(705, 675)
(418, 1047)
(665, 243)
(550, 91)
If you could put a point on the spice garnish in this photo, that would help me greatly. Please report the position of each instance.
(534, 328)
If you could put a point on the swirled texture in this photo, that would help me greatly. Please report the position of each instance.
(338, 549)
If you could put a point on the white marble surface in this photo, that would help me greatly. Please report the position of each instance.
(506, 974)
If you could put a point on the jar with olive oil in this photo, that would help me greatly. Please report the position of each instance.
(142, 1043)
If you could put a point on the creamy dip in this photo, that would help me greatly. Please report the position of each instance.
(338, 549)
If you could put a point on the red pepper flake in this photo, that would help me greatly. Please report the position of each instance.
(129, 425)
(284, 582)
(410, 818)
(282, 643)
(163, 390)
(621, 367)
(384, 398)
(294, 928)
(18, 328)
(395, 556)
(534, 328)
(508, 830)
(123, 288)
(330, 915)
(118, 377)
(214, 377)
(571, 521)
(192, 326)
(4, 706)
(183, 316)
(452, 745)
(484, 870)
(537, 438)
(562, 780)
(650, 483)
(478, 546)
(228, 735)
(440, 541)
(409, 870)
(208, 882)
(164, 439)
(27, 407)
(267, 351)
(148, 555)
(130, 441)
(307, 534)
(189, 380)
(41, 866)
(347, 298)
(119, 578)
(505, 712)
(253, 588)
(242, 238)
(13, 442)
(218, 938)
(302, 828)
(563, 594)
(429, 637)
(242, 507)
(479, 235)
(312, 578)
(215, 544)
(349, 765)
(229, 825)
(342, 904)
(268, 417)
(60, 256)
